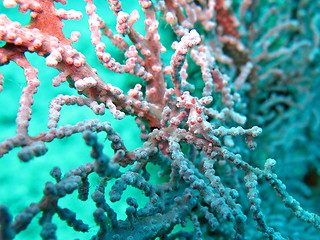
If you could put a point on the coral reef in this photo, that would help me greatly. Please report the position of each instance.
(199, 119)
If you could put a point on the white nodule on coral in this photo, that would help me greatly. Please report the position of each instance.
(84, 83)
(9, 3)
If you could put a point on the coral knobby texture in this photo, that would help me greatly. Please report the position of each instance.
(224, 96)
